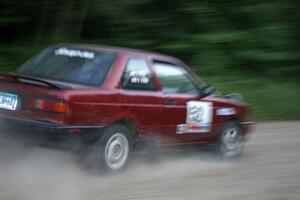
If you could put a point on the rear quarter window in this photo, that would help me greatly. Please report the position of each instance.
(138, 76)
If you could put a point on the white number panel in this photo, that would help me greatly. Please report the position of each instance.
(199, 118)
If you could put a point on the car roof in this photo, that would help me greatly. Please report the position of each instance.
(124, 51)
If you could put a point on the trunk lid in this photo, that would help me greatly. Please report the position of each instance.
(16, 92)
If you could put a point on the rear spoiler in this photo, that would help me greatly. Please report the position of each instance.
(34, 80)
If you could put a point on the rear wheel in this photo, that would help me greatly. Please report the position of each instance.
(113, 150)
(231, 141)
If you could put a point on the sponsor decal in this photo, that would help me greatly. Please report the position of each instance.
(225, 111)
(63, 51)
(139, 77)
(199, 118)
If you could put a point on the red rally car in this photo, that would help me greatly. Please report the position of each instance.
(114, 98)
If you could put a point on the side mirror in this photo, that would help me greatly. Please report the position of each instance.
(235, 96)
(208, 90)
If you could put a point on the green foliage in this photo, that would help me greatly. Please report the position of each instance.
(269, 99)
(257, 41)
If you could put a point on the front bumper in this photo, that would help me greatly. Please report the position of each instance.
(46, 132)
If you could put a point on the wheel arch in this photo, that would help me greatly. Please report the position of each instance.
(233, 118)
(130, 124)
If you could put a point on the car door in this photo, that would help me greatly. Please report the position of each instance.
(186, 118)
(140, 98)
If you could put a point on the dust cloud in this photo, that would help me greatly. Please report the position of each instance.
(269, 169)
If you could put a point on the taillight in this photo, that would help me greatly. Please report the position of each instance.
(48, 105)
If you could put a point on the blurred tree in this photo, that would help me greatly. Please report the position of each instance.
(235, 35)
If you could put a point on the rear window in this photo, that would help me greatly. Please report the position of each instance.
(69, 65)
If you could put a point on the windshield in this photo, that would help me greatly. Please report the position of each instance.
(69, 65)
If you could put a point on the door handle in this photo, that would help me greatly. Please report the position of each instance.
(170, 102)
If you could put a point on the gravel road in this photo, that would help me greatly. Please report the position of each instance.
(268, 170)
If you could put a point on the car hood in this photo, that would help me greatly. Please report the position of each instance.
(227, 101)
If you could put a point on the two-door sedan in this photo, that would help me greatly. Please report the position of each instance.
(115, 98)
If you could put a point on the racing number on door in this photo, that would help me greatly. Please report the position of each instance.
(199, 118)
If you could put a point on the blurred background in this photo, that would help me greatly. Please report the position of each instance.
(251, 47)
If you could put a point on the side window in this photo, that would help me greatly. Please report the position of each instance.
(137, 75)
(174, 79)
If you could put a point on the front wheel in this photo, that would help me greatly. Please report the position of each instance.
(231, 141)
(112, 151)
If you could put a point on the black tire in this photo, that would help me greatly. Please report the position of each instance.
(231, 141)
(113, 150)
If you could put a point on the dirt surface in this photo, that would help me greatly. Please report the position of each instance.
(268, 170)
